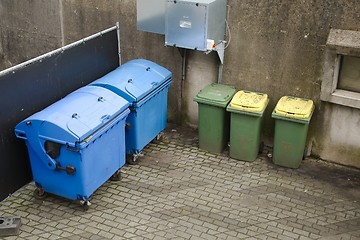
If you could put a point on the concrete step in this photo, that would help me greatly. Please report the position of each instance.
(9, 226)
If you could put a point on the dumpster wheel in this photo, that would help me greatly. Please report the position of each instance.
(261, 148)
(40, 194)
(116, 176)
(158, 138)
(304, 154)
(85, 205)
(132, 159)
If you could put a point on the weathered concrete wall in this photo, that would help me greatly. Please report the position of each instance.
(28, 29)
(201, 70)
(338, 135)
(277, 47)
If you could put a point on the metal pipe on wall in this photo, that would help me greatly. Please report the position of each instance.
(220, 72)
(183, 75)
(118, 36)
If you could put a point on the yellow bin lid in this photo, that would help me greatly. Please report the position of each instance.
(293, 107)
(249, 101)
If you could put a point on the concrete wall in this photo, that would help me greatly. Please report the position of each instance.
(28, 29)
(338, 135)
(277, 47)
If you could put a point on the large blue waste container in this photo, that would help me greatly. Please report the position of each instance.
(77, 143)
(145, 85)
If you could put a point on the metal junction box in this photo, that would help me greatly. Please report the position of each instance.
(191, 24)
(151, 15)
(195, 24)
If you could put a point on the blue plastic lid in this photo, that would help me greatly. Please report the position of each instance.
(134, 79)
(78, 115)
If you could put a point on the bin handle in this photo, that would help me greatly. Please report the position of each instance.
(39, 149)
(37, 145)
(105, 118)
(20, 134)
(45, 158)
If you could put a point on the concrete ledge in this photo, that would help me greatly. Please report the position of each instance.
(9, 226)
(344, 42)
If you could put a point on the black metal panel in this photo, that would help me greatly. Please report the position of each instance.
(39, 84)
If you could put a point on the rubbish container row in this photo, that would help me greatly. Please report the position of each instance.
(79, 142)
(224, 114)
(144, 85)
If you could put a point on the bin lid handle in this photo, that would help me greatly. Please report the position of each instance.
(45, 158)
(39, 149)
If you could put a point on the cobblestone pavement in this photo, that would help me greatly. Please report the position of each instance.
(180, 192)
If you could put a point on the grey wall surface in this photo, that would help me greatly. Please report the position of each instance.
(277, 47)
(28, 29)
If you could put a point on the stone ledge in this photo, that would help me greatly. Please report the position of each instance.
(9, 226)
(344, 42)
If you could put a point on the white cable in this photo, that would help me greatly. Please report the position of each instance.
(228, 29)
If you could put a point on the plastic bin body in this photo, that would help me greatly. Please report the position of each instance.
(213, 119)
(246, 120)
(145, 85)
(85, 130)
(292, 116)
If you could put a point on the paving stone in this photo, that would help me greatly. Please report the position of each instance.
(178, 191)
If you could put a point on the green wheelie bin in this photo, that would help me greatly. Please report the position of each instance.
(213, 119)
(292, 117)
(247, 109)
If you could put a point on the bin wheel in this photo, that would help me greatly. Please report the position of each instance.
(304, 154)
(116, 176)
(85, 205)
(132, 159)
(40, 194)
(158, 138)
(261, 148)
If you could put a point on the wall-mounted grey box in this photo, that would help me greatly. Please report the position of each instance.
(151, 15)
(191, 23)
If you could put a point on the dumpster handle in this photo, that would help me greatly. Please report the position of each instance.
(20, 134)
(38, 146)
(50, 163)
(105, 118)
(44, 157)
(71, 149)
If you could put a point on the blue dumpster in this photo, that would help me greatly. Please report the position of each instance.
(145, 85)
(77, 143)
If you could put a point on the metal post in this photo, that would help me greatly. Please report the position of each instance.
(118, 36)
(220, 72)
(183, 77)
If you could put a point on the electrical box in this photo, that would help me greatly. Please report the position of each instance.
(192, 24)
(151, 15)
(195, 24)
